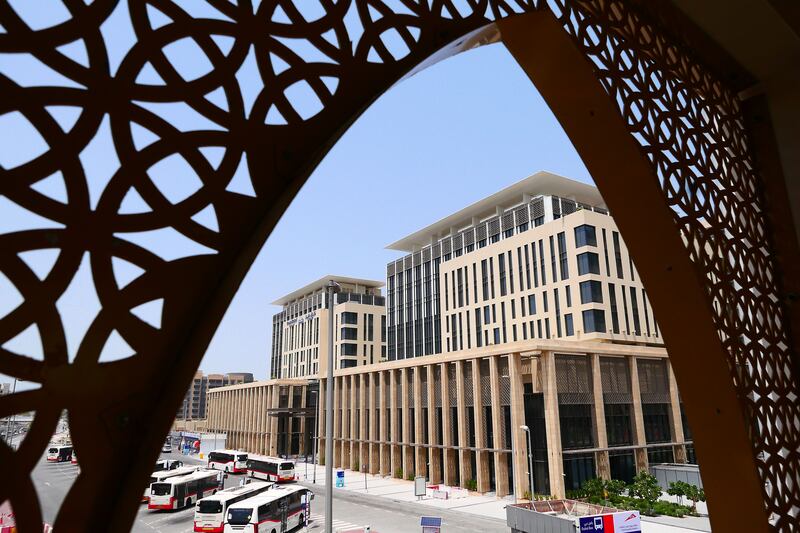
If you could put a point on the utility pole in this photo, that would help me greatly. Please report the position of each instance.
(332, 289)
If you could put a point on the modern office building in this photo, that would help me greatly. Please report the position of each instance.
(541, 259)
(300, 330)
(523, 309)
(194, 402)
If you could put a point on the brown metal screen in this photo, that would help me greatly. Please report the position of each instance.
(616, 379)
(574, 379)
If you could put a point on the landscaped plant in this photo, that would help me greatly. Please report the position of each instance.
(526, 495)
(471, 484)
(398, 473)
(410, 476)
(646, 488)
(695, 494)
(678, 489)
(356, 466)
(595, 490)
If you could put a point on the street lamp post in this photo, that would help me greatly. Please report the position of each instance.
(527, 430)
(10, 419)
(331, 289)
(314, 393)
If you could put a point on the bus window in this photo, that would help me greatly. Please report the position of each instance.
(160, 489)
(240, 517)
(209, 506)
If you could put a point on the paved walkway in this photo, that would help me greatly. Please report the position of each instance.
(486, 505)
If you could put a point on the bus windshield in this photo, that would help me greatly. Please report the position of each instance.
(52, 450)
(209, 506)
(161, 489)
(239, 517)
(287, 466)
(241, 458)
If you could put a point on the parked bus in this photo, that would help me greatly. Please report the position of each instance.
(59, 454)
(161, 475)
(270, 468)
(167, 464)
(210, 512)
(228, 461)
(181, 491)
(276, 510)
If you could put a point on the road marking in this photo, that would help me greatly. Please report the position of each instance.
(317, 520)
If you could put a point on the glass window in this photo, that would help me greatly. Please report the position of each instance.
(532, 304)
(594, 320)
(588, 263)
(350, 334)
(349, 318)
(349, 348)
(591, 291)
(569, 326)
(585, 235)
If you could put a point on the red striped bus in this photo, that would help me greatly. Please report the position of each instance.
(270, 468)
(181, 491)
(276, 510)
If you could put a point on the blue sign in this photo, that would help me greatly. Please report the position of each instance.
(430, 521)
(340, 478)
(591, 524)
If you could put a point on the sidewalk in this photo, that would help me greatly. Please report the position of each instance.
(489, 506)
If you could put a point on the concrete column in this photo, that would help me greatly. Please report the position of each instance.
(363, 433)
(321, 396)
(434, 470)
(555, 459)
(449, 452)
(396, 416)
(498, 423)
(481, 457)
(639, 438)
(385, 465)
(373, 449)
(465, 464)
(679, 450)
(603, 469)
(420, 457)
(408, 456)
(519, 442)
(273, 422)
(354, 422)
(303, 426)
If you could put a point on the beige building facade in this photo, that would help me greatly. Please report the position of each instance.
(594, 409)
(523, 309)
(300, 330)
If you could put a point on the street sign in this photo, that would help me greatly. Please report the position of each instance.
(430, 524)
(622, 522)
(340, 478)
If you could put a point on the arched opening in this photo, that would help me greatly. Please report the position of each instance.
(279, 164)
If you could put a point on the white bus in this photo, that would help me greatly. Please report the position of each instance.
(210, 512)
(59, 454)
(270, 468)
(228, 461)
(161, 475)
(274, 511)
(181, 491)
(167, 464)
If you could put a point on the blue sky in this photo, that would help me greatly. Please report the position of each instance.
(436, 142)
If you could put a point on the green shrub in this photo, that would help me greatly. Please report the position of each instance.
(471, 484)
(526, 495)
(646, 488)
(356, 466)
(678, 489)
(695, 494)
(410, 476)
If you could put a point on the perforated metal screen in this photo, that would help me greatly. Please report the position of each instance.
(574, 379)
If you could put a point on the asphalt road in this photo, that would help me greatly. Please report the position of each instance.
(350, 510)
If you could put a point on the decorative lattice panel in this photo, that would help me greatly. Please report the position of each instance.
(250, 144)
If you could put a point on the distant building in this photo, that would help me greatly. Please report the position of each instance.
(300, 331)
(194, 403)
(5, 388)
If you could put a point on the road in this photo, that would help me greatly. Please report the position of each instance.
(350, 510)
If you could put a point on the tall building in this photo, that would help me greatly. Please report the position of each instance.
(514, 266)
(194, 402)
(300, 330)
(523, 309)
